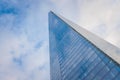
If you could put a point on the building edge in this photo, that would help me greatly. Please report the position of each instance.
(109, 49)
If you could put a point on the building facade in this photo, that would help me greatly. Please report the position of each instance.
(78, 55)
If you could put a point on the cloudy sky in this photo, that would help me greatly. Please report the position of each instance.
(24, 47)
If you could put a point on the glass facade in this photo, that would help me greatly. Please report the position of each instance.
(73, 57)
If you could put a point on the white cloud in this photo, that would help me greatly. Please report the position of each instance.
(23, 31)
(107, 12)
(19, 58)
(92, 15)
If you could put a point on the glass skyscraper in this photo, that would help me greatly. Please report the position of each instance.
(77, 54)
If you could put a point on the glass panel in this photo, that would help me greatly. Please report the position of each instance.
(73, 57)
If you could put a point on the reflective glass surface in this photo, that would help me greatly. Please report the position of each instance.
(73, 57)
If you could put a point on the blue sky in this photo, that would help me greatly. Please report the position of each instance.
(24, 47)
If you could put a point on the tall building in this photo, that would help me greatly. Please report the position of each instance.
(77, 54)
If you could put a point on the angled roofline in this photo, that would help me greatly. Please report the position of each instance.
(108, 48)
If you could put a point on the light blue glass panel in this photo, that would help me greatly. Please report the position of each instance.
(73, 57)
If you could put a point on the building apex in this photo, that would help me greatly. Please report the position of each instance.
(109, 49)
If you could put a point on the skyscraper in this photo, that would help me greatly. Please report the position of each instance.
(77, 54)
